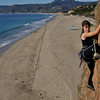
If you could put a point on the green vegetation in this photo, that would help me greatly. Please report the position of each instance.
(86, 10)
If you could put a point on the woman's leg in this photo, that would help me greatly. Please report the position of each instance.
(88, 57)
(91, 65)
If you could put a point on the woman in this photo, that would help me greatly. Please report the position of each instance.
(88, 48)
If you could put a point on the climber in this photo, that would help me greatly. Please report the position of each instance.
(89, 49)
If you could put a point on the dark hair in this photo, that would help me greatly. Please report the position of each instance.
(85, 22)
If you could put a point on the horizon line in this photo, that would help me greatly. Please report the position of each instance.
(39, 3)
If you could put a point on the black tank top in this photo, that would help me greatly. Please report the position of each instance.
(88, 41)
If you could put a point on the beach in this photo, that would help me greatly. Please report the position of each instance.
(44, 65)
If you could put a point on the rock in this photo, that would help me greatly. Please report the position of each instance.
(85, 93)
(97, 17)
(70, 12)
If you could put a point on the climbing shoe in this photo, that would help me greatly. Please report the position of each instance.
(90, 86)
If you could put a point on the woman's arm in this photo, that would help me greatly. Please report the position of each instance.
(90, 34)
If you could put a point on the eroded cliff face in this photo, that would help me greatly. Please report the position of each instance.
(85, 93)
(97, 18)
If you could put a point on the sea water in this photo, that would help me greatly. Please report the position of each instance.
(16, 26)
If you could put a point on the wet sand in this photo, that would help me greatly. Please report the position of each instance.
(43, 66)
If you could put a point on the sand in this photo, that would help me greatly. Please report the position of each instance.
(43, 66)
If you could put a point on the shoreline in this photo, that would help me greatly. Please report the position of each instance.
(4, 48)
(34, 13)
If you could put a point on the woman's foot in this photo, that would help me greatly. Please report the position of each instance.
(90, 86)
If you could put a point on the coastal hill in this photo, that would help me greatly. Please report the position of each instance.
(83, 10)
(55, 6)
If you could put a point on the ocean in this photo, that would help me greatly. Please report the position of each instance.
(13, 27)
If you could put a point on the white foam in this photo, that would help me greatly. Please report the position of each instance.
(26, 31)
(4, 44)
(26, 24)
(44, 20)
(29, 28)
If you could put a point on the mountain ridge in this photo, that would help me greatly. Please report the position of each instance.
(55, 6)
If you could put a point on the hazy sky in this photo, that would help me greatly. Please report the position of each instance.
(11, 2)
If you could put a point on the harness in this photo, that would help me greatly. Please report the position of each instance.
(85, 52)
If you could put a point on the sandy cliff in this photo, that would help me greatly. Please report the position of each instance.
(83, 92)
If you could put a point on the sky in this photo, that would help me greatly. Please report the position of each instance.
(12, 2)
